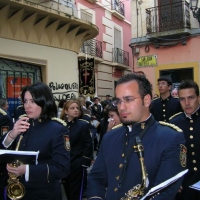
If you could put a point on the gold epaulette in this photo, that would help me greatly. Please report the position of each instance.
(117, 126)
(87, 115)
(24, 115)
(171, 125)
(59, 120)
(155, 98)
(20, 106)
(84, 120)
(175, 115)
(2, 112)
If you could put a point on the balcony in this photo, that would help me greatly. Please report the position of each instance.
(168, 19)
(92, 48)
(120, 57)
(117, 8)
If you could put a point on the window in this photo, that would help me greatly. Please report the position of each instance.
(86, 16)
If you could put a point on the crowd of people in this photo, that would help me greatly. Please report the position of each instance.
(78, 133)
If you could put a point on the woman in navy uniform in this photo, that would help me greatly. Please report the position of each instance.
(81, 149)
(42, 132)
(117, 167)
(189, 122)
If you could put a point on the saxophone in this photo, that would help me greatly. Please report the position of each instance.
(15, 189)
(138, 191)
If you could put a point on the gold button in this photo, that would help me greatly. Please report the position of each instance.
(195, 169)
(191, 121)
(163, 115)
(193, 153)
(164, 110)
(163, 105)
(116, 189)
(117, 177)
(194, 161)
(191, 136)
(192, 145)
(191, 128)
(126, 143)
(122, 155)
(121, 165)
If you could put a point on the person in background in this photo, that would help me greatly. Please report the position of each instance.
(164, 107)
(43, 132)
(117, 168)
(189, 122)
(174, 93)
(60, 106)
(81, 150)
(107, 101)
(6, 124)
(97, 109)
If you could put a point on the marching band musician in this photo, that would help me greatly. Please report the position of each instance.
(81, 149)
(45, 133)
(117, 168)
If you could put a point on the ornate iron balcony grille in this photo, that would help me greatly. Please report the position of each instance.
(168, 17)
(120, 56)
(118, 6)
(92, 47)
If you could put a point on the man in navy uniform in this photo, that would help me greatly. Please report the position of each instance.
(164, 107)
(117, 168)
(6, 124)
(189, 122)
(97, 109)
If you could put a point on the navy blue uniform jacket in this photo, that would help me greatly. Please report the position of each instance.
(161, 157)
(162, 110)
(191, 129)
(46, 136)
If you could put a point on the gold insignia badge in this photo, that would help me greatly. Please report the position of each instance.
(66, 142)
(4, 130)
(183, 155)
(142, 125)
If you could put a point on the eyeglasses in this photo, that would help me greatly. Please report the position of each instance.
(126, 100)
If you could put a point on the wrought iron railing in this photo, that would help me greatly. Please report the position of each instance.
(92, 47)
(120, 56)
(168, 17)
(118, 6)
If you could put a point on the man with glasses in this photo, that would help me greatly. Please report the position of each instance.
(189, 122)
(164, 107)
(117, 168)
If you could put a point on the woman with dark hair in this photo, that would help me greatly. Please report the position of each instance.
(42, 132)
(81, 149)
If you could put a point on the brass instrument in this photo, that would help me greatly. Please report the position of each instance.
(138, 191)
(15, 189)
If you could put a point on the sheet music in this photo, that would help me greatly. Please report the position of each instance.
(164, 184)
(196, 186)
(26, 153)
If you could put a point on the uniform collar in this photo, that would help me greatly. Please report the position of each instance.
(196, 113)
(165, 100)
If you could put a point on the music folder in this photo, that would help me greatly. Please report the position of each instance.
(25, 157)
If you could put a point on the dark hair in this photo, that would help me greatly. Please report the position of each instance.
(61, 103)
(3, 102)
(43, 97)
(112, 109)
(144, 85)
(186, 84)
(166, 78)
(88, 103)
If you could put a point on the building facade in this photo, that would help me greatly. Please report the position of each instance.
(165, 40)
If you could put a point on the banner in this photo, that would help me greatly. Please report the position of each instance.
(86, 76)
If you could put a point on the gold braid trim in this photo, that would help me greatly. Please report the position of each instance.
(174, 115)
(155, 98)
(84, 120)
(59, 120)
(24, 115)
(2, 112)
(117, 126)
(171, 125)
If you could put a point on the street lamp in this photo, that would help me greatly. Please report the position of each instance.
(195, 9)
